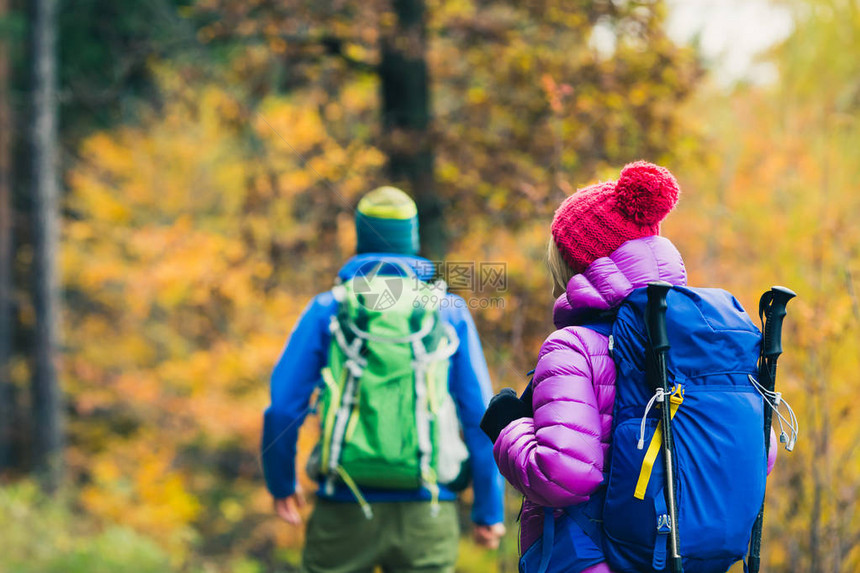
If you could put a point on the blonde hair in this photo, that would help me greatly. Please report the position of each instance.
(559, 269)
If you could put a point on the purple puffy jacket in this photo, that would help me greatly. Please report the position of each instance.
(557, 458)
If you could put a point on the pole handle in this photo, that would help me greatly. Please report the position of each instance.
(772, 306)
(656, 315)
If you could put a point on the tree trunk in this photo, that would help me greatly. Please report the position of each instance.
(7, 409)
(406, 118)
(47, 401)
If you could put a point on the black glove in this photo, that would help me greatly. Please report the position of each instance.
(504, 408)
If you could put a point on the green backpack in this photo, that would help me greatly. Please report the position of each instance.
(388, 420)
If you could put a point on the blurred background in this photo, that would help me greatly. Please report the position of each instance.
(178, 178)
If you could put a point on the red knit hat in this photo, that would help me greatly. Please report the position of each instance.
(598, 219)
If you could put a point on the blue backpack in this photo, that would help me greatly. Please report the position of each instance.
(718, 415)
(720, 461)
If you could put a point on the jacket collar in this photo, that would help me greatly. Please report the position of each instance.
(609, 280)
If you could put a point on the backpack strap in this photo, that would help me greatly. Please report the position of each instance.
(365, 335)
(604, 328)
(424, 361)
(548, 539)
(600, 321)
(588, 516)
(661, 541)
(350, 346)
(422, 414)
(353, 347)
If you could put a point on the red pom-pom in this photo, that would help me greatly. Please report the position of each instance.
(645, 193)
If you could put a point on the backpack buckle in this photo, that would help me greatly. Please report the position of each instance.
(661, 543)
(664, 524)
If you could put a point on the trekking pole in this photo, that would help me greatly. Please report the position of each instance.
(771, 310)
(659, 344)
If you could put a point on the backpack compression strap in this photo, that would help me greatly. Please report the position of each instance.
(423, 365)
(354, 368)
(676, 399)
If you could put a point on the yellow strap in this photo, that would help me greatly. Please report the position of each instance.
(675, 399)
(353, 418)
(328, 424)
(365, 507)
(429, 478)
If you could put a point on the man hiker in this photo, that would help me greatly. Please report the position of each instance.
(400, 383)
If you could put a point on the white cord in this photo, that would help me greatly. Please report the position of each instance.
(775, 400)
(658, 396)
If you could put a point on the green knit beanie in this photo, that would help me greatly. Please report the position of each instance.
(386, 221)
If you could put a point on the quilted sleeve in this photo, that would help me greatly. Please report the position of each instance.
(556, 458)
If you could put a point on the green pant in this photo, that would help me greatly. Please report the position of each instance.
(402, 537)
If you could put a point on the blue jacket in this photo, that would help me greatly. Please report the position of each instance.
(297, 374)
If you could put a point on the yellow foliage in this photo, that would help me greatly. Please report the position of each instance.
(774, 200)
(146, 494)
(197, 235)
(185, 303)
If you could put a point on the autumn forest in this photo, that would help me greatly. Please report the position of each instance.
(179, 177)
